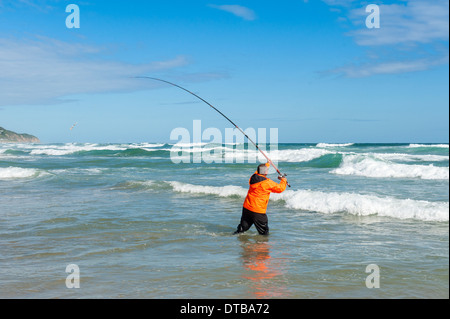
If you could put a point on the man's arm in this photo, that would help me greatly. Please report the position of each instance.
(278, 188)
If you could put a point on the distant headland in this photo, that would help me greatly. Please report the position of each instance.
(12, 137)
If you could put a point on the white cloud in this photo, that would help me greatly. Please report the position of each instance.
(339, 3)
(239, 11)
(413, 36)
(45, 70)
(392, 67)
(413, 22)
(39, 5)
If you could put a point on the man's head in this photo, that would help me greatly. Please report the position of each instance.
(263, 169)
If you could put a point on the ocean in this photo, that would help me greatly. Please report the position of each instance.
(86, 220)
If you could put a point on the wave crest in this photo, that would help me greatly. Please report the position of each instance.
(331, 203)
(11, 172)
(334, 145)
(369, 167)
(428, 145)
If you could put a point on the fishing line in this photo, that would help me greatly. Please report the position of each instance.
(209, 104)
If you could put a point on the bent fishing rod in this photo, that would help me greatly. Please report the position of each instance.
(209, 104)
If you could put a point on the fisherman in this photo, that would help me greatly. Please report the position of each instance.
(255, 204)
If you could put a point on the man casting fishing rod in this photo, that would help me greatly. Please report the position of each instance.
(255, 204)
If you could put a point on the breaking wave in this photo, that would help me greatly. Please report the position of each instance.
(371, 167)
(335, 202)
(10, 173)
(224, 191)
(334, 145)
(393, 161)
(428, 145)
(75, 148)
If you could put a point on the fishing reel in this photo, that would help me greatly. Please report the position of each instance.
(283, 175)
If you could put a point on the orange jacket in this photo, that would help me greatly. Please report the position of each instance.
(259, 192)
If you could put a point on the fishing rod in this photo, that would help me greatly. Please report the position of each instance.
(257, 147)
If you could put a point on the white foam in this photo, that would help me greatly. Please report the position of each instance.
(334, 145)
(146, 145)
(252, 155)
(301, 155)
(428, 145)
(222, 191)
(331, 203)
(189, 149)
(365, 205)
(150, 147)
(17, 173)
(66, 149)
(409, 157)
(71, 148)
(369, 167)
(293, 156)
(87, 171)
(189, 144)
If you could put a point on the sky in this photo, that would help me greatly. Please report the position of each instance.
(310, 68)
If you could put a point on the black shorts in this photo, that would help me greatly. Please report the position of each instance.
(249, 218)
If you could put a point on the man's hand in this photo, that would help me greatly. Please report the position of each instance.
(281, 177)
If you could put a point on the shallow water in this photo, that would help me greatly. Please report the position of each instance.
(139, 226)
